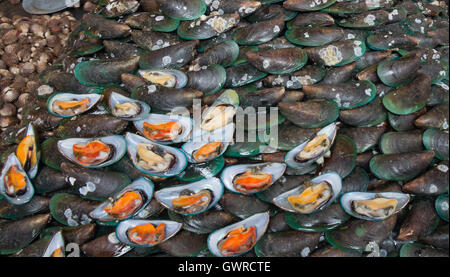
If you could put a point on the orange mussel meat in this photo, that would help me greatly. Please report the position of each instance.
(252, 181)
(92, 153)
(193, 203)
(128, 203)
(26, 153)
(162, 131)
(237, 241)
(147, 234)
(69, 108)
(208, 151)
(15, 182)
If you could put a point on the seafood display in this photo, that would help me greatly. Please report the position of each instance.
(295, 128)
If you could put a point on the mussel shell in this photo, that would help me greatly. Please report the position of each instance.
(421, 220)
(208, 80)
(402, 166)
(331, 178)
(337, 53)
(24, 197)
(76, 234)
(413, 249)
(314, 36)
(64, 96)
(180, 157)
(315, 113)
(142, 184)
(56, 242)
(117, 98)
(118, 143)
(15, 235)
(208, 27)
(185, 244)
(433, 182)
(71, 210)
(105, 246)
(229, 173)
(287, 244)
(285, 183)
(104, 72)
(437, 117)
(307, 5)
(339, 74)
(185, 122)
(343, 157)
(260, 221)
(52, 159)
(43, 7)
(268, 12)
(401, 142)
(290, 160)
(171, 57)
(347, 199)
(368, 115)
(436, 140)
(196, 172)
(224, 53)
(166, 195)
(182, 9)
(327, 219)
(204, 223)
(385, 41)
(441, 206)
(242, 74)
(31, 131)
(243, 206)
(258, 33)
(38, 204)
(172, 228)
(180, 77)
(307, 75)
(365, 138)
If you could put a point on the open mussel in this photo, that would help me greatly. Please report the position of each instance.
(126, 203)
(311, 196)
(69, 104)
(15, 184)
(28, 153)
(248, 179)
(373, 206)
(169, 78)
(146, 233)
(191, 199)
(155, 159)
(165, 129)
(93, 153)
(126, 108)
(238, 238)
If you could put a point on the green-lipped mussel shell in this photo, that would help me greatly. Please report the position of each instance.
(329, 251)
(401, 142)
(261, 98)
(258, 33)
(152, 41)
(439, 94)
(404, 122)
(243, 206)
(402, 166)
(314, 36)
(368, 115)
(372, 57)
(207, 27)
(15, 235)
(413, 249)
(385, 41)
(437, 117)
(209, 80)
(97, 26)
(269, 12)
(312, 19)
(51, 157)
(224, 53)
(337, 53)
(343, 157)
(397, 72)
(356, 234)
(439, 238)
(307, 5)
(324, 220)
(182, 9)
(105, 246)
(348, 95)
(105, 72)
(93, 184)
(196, 172)
(307, 75)
(204, 223)
(154, 22)
(285, 183)
(365, 138)
(71, 210)
(278, 61)
(436, 140)
(242, 74)
(38, 204)
(432, 183)
(357, 180)
(119, 49)
(315, 113)
(421, 220)
(81, 44)
(90, 125)
(436, 69)
(290, 136)
(76, 234)
(185, 244)
(287, 244)
(340, 74)
(62, 81)
(171, 57)
(372, 19)
(441, 205)
(120, 8)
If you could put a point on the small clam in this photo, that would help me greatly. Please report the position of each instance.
(251, 178)
(311, 196)
(146, 233)
(93, 152)
(238, 238)
(70, 104)
(169, 78)
(221, 112)
(126, 108)
(165, 129)
(193, 198)
(155, 159)
(126, 203)
(56, 247)
(27, 152)
(14, 183)
(209, 146)
(373, 206)
(312, 149)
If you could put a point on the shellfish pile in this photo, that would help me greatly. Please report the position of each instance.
(141, 150)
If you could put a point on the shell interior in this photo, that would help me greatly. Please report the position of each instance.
(228, 98)
(57, 242)
(64, 96)
(229, 173)
(171, 78)
(142, 184)
(46, 7)
(331, 177)
(32, 132)
(260, 221)
(171, 228)
(29, 191)
(347, 198)
(117, 98)
(65, 147)
(180, 157)
(290, 160)
(185, 122)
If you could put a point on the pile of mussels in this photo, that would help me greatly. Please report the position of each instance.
(355, 164)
